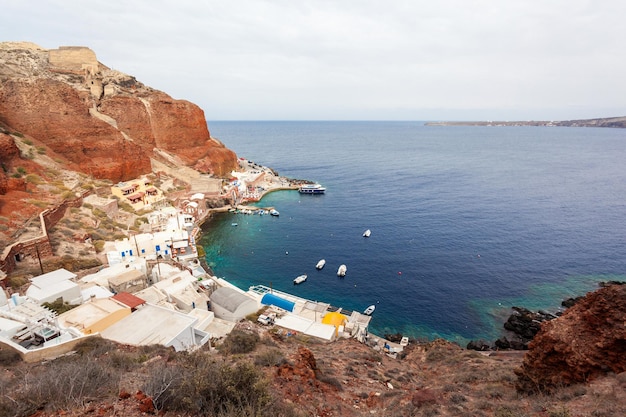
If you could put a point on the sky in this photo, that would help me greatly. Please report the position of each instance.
(352, 60)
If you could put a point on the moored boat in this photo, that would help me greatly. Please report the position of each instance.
(274, 212)
(367, 233)
(369, 310)
(311, 189)
(342, 270)
(300, 279)
(320, 264)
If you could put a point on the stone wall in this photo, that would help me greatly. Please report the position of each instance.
(73, 58)
(38, 247)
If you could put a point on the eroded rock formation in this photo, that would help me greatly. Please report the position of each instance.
(8, 152)
(103, 122)
(587, 341)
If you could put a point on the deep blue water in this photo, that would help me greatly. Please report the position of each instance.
(466, 221)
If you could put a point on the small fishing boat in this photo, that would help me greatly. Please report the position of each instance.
(274, 212)
(299, 279)
(367, 233)
(341, 272)
(369, 310)
(320, 264)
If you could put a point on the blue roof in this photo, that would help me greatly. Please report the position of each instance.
(271, 299)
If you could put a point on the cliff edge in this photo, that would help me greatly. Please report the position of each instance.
(586, 342)
(98, 120)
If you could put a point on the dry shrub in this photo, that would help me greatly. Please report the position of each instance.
(330, 380)
(67, 382)
(269, 357)
(9, 357)
(493, 392)
(239, 342)
(94, 346)
(203, 385)
(457, 398)
(509, 411)
(424, 397)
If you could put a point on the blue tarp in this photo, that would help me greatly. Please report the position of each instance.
(273, 300)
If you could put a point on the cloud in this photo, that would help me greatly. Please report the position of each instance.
(354, 59)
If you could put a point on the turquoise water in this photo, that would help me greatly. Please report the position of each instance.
(466, 221)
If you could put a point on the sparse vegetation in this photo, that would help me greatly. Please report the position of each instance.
(200, 384)
(37, 203)
(59, 306)
(269, 357)
(34, 179)
(239, 342)
(60, 384)
(71, 263)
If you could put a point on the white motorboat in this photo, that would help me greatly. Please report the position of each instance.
(311, 189)
(299, 279)
(367, 233)
(320, 264)
(369, 310)
(274, 212)
(341, 272)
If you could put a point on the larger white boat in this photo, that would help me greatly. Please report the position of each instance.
(311, 189)
(299, 279)
(367, 233)
(320, 264)
(369, 310)
(341, 272)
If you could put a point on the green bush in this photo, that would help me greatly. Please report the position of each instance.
(59, 306)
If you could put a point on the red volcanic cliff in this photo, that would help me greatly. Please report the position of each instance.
(587, 341)
(8, 152)
(103, 122)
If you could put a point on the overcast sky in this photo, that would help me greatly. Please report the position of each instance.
(353, 60)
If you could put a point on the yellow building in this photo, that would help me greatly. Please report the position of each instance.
(139, 193)
(335, 319)
(94, 316)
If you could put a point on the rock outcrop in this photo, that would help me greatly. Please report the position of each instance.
(8, 152)
(102, 122)
(587, 341)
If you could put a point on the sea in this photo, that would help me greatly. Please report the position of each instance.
(466, 222)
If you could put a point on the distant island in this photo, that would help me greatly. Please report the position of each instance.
(604, 122)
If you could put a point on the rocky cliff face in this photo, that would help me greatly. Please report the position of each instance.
(103, 122)
(587, 341)
(8, 152)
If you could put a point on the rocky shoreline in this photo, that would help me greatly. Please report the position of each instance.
(523, 325)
